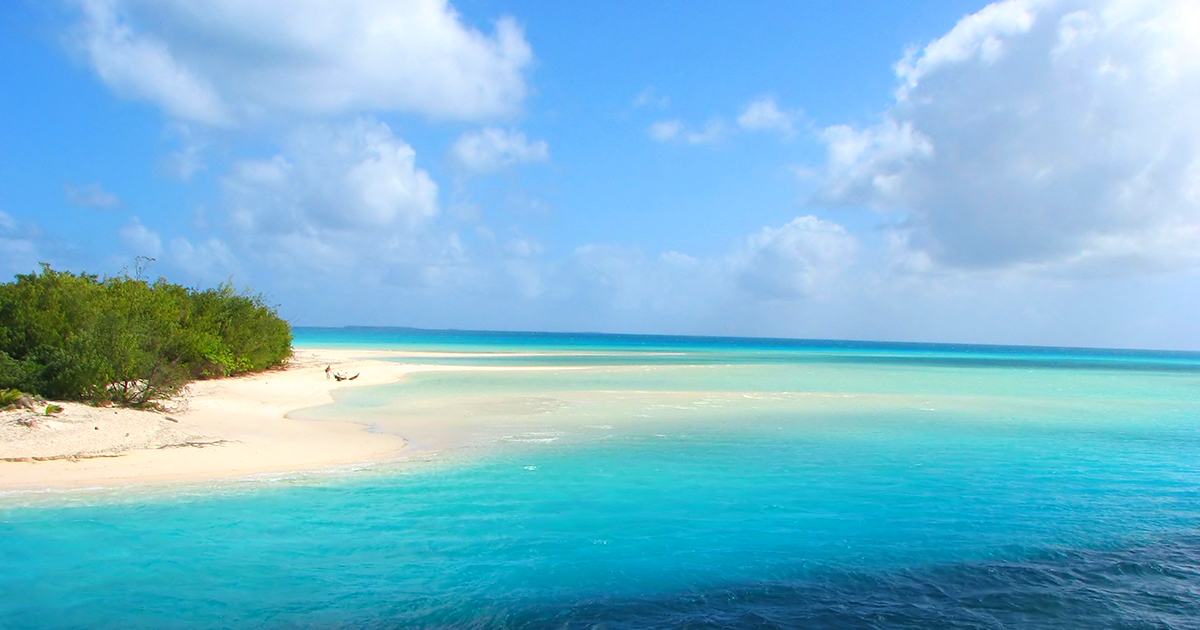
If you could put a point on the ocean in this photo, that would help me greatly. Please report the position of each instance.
(672, 482)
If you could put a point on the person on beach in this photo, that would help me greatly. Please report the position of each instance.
(327, 370)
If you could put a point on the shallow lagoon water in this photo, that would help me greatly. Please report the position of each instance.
(763, 485)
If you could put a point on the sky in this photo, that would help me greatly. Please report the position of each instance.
(1021, 172)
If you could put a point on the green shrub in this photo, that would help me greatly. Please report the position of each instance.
(122, 340)
(9, 398)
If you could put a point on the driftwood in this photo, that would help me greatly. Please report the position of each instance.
(196, 444)
(342, 377)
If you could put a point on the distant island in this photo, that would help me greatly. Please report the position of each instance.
(128, 342)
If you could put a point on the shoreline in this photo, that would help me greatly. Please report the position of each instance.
(257, 426)
(218, 430)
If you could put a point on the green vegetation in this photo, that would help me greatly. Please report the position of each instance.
(125, 341)
(10, 398)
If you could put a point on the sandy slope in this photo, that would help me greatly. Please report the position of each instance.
(220, 429)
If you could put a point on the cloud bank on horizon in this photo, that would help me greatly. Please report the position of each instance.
(1033, 178)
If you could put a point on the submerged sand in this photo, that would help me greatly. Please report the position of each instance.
(247, 426)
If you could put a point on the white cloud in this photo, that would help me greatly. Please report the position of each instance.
(140, 240)
(142, 66)
(800, 260)
(811, 278)
(795, 260)
(676, 131)
(665, 130)
(864, 165)
(224, 62)
(91, 195)
(983, 37)
(345, 203)
(337, 179)
(492, 149)
(208, 262)
(523, 247)
(619, 285)
(1050, 134)
(211, 262)
(763, 114)
(523, 265)
(649, 97)
(185, 163)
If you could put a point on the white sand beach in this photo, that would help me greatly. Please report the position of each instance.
(223, 428)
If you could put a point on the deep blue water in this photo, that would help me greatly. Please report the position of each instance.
(1055, 489)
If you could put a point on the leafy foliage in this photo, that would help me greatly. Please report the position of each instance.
(10, 398)
(122, 340)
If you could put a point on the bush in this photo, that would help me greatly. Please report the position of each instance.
(122, 340)
(10, 398)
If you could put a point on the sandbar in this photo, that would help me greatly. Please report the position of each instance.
(218, 429)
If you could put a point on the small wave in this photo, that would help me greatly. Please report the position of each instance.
(533, 437)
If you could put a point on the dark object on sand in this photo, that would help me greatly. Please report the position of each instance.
(342, 377)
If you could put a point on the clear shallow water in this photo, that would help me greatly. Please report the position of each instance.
(714, 490)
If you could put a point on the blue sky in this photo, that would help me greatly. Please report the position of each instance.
(1026, 171)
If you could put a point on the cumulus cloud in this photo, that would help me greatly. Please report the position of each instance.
(207, 263)
(1040, 133)
(91, 195)
(223, 62)
(795, 260)
(336, 179)
(676, 131)
(492, 149)
(801, 260)
(140, 240)
(345, 201)
(763, 114)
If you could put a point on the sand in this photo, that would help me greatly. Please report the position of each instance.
(219, 429)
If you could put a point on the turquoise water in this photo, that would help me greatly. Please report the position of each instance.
(675, 482)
